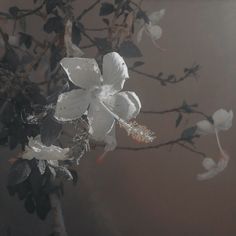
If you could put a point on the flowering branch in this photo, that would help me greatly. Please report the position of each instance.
(171, 79)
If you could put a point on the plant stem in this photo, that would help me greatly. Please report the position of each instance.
(57, 216)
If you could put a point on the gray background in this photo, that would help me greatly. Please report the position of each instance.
(155, 192)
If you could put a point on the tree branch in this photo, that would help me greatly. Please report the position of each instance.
(85, 11)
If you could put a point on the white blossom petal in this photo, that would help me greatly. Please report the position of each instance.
(213, 168)
(115, 71)
(101, 121)
(124, 104)
(223, 119)
(204, 127)
(110, 140)
(154, 31)
(83, 72)
(72, 105)
(36, 149)
(155, 16)
(140, 34)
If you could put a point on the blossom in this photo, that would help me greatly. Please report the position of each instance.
(37, 150)
(152, 29)
(99, 95)
(221, 121)
(212, 167)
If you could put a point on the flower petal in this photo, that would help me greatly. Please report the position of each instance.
(124, 104)
(83, 72)
(101, 122)
(140, 34)
(154, 31)
(115, 71)
(71, 105)
(155, 16)
(208, 163)
(223, 119)
(204, 127)
(36, 149)
(110, 140)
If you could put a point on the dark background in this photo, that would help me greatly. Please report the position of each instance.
(155, 192)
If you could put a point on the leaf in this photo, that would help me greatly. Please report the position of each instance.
(25, 39)
(51, 4)
(188, 133)
(129, 49)
(118, 1)
(106, 21)
(54, 24)
(138, 63)
(55, 57)
(11, 59)
(178, 120)
(63, 172)
(49, 130)
(103, 43)
(13, 11)
(76, 35)
(75, 176)
(19, 172)
(106, 9)
(29, 204)
(186, 108)
(142, 15)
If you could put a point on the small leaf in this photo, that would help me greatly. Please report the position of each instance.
(106, 9)
(49, 130)
(13, 11)
(188, 133)
(103, 43)
(143, 15)
(11, 59)
(63, 172)
(54, 24)
(29, 204)
(19, 172)
(51, 4)
(186, 108)
(25, 39)
(42, 166)
(129, 49)
(178, 120)
(106, 21)
(76, 35)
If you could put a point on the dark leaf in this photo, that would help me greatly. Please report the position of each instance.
(25, 39)
(142, 15)
(29, 204)
(13, 11)
(11, 59)
(75, 176)
(129, 49)
(104, 44)
(106, 21)
(43, 206)
(51, 4)
(55, 56)
(178, 120)
(76, 35)
(50, 130)
(63, 172)
(188, 133)
(106, 9)
(54, 24)
(186, 108)
(138, 63)
(118, 1)
(19, 172)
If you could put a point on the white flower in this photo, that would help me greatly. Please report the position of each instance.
(99, 95)
(212, 167)
(37, 150)
(152, 29)
(222, 120)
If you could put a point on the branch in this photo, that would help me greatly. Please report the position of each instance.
(171, 79)
(58, 220)
(178, 141)
(85, 11)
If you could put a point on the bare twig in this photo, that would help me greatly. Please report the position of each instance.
(85, 11)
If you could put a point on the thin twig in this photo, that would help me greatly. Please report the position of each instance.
(85, 11)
